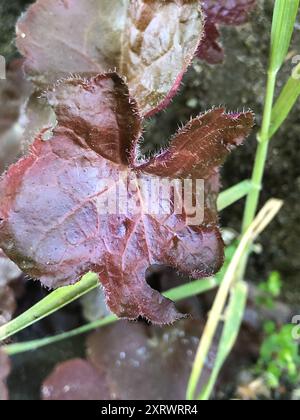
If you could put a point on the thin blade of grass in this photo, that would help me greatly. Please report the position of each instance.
(286, 101)
(50, 304)
(264, 217)
(233, 194)
(13, 349)
(233, 319)
(285, 12)
(176, 294)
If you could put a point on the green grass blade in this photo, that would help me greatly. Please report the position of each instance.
(285, 12)
(13, 349)
(233, 320)
(178, 293)
(264, 217)
(192, 289)
(286, 101)
(233, 194)
(51, 303)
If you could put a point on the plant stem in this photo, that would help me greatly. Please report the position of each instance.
(261, 154)
(51, 303)
(263, 139)
(233, 318)
(233, 194)
(263, 218)
(176, 294)
(13, 349)
(284, 16)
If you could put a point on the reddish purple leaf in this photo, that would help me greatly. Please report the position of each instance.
(224, 12)
(52, 225)
(145, 363)
(149, 41)
(130, 361)
(75, 380)
(210, 49)
(201, 146)
(228, 12)
(137, 361)
(4, 372)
